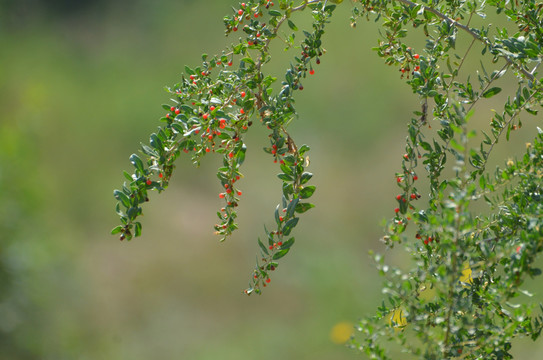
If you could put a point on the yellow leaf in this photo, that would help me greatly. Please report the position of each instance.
(466, 279)
(397, 319)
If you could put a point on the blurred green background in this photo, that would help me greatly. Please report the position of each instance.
(81, 85)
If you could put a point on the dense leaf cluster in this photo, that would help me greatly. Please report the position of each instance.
(212, 108)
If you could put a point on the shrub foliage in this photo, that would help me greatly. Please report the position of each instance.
(473, 231)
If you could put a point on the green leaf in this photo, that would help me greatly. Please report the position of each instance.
(280, 254)
(128, 176)
(292, 25)
(287, 244)
(307, 192)
(426, 146)
(136, 161)
(248, 60)
(137, 229)
(303, 207)
(156, 143)
(117, 230)
(287, 169)
(240, 156)
(263, 247)
(303, 149)
(120, 196)
(149, 151)
(491, 92)
(275, 13)
(306, 176)
(285, 177)
(189, 70)
(289, 225)
(291, 207)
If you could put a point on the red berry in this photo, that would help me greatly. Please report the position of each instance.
(242, 94)
(242, 111)
(211, 108)
(311, 71)
(250, 43)
(167, 116)
(280, 218)
(234, 29)
(406, 157)
(399, 179)
(271, 247)
(413, 196)
(205, 116)
(426, 242)
(279, 243)
(240, 12)
(208, 149)
(397, 210)
(172, 108)
(177, 111)
(416, 56)
(239, 193)
(230, 63)
(149, 182)
(256, 15)
(415, 177)
(160, 175)
(221, 195)
(243, 5)
(268, 280)
(231, 155)
(398, 197)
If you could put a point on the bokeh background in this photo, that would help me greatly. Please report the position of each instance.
(81, 83)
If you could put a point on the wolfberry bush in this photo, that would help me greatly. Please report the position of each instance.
(473, 229)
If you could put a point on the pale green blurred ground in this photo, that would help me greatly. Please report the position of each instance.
(78, 94)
